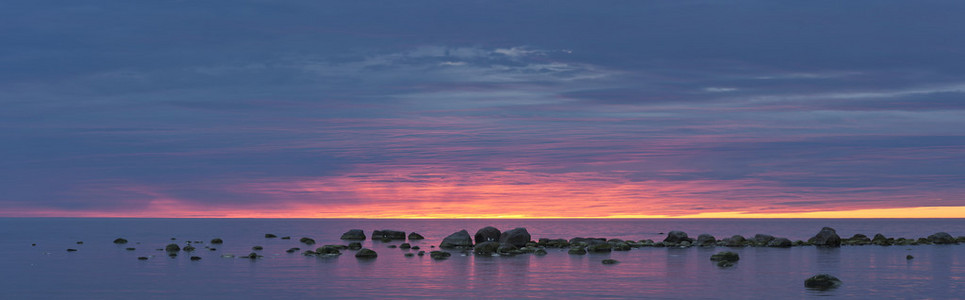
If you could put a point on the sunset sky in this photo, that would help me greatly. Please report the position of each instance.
(451, 109)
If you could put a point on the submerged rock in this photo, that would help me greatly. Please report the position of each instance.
(307, 241)
(827, 237)
(366, 253)
(410, 254)
(388, 234)
(330, 250)
(257, 248)
(909, 256)
(725, 264)
(421, 253)
(460, 239)
(354, 234)
(517, 237)
(355, 245)
(120, 241)
(286, 237)
(142, 258)
(172, 248)
(195, 258)
(725, 256)
(188, 248)
(439, 254)
(130, 248)
(822, 282)
(507, 249)
(252, 255)
(405, 246)
(609, 261)
(487, 234)
(540, 252)
(415, 236)
(216, 241)
(270, 236)
(71, 250)
(577, 251)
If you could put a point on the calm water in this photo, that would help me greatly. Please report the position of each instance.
(102, 270)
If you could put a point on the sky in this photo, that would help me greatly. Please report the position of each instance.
(482, 109)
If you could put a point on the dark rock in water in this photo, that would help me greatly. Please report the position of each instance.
(599, 248)
(216, 241)
(120, 241)
(735, 241)
(328, 250)
(286, 237)
(421, 253)
(392, 246)
(705, 240)
(410, 254)
(195, 258)
(554, 243)
(252, 255)
(881, 240)
(415, 236)
(458, 239)
(780, 243)
(130, 248)
(270, 236)
(309, 253)
(405, 246)
(827, 237)
(677, 237)
(486, 248)
(942, 238)
(609, 261)
(307, 241)
(386, 239)
(586, 241)
(172, 248)
(142, 258)
(762, 239)
(577, 251)
(388, 234)
(909, 256)
(822, 282)
(257, 248)
(172, 254)
(33, 245)
(188, 248)
(620, 246)
(366, 253)
(354, 234)
(540, 252)
(517, 237)
(440, 254)
(71, 250)
(507, 249)
(859, 239)
(292, 250)
(725, 263)
(487, 234)
(213, 249)
(416, 247)
(355, 245)
(725, 256)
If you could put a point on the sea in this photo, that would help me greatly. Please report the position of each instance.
(35, 263)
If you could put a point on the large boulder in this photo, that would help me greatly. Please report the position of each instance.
(354, 234)
(705, 240)
(517, 237)
(388, 234)
(827, 237)
(415, 236)
(942, 238)
(677, 237)
(487, 234)
(762, 239)
(881, 240)
(735, 241)
(780, 243)
(822, 282)
(457, 240)
(366, 253)
(486, 248)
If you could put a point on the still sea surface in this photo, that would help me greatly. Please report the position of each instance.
(103, 270)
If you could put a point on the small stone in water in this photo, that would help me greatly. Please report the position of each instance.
(195, 258)
(142, 258)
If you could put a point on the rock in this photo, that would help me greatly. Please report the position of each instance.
(909, 256)
(577, 250)
(507, 249)
(388, 234)
(827, 237)
(366, 253)
(942, 238)
(292, 250)
(881, 240)
(421, 253)
(780, 243)
(725, 264)
(355, 245)
(195, 258)
(725, 256)
(130, 248)
(609, 261)
(257, 248)
(598, 248)
(410, 254)
(307, 241)
(216, 241)
(392, 246)
(354, 234)
(330, 250)
(227, 255)
(486, 248)
(540, 252)
(517, 237)
(309, 253)
(80, 242)
(188, 248)
(251, 255)
(172, 254)
(735, 241)
(822, 282)
(172, 248)
(706, 240)
(677, 237)
(416, 247)
(487, 234)
(213, 249)
(620, 246)
(286, 237)
(71, 250)
(554, 243)
(441, 254)
(120, 241)
(459, 239)
(405, 246)
(415, 236)
(762, 239)
(859, 239)
(142, 258)
(270, 236)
